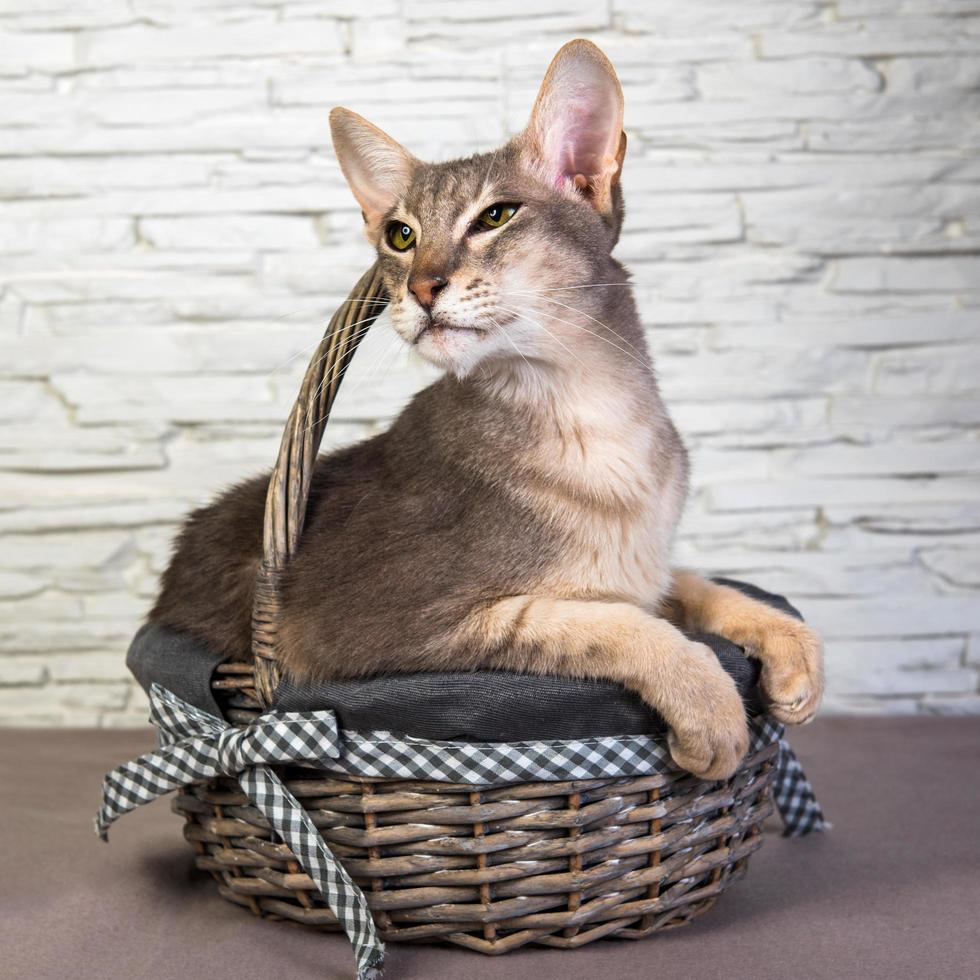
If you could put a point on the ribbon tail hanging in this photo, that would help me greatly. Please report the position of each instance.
(147, 778)
(346, 900)
(196, 746)
(794, 796)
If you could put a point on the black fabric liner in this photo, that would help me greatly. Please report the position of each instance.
(486, 706)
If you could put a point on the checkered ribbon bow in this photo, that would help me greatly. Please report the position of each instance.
(196, 745)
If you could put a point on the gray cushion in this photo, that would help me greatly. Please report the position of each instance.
(491, 706)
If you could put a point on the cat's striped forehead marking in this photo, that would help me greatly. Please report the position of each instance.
(447, 197)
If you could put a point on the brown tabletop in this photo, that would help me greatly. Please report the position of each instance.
(893, 891)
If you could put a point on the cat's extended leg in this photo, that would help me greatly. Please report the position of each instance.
(618, 641)
(790, 651)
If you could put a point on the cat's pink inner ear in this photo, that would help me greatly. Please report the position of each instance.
(583, 136)
(577, 119)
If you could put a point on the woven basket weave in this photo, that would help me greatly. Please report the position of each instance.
(491, 869)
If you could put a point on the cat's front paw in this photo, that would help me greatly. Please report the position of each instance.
(792, 668)
(709, 735)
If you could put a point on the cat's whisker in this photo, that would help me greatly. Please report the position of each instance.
(346, 345)
(383, 363)
(586, 285)
(292, 357)
(365, 301)
(574, 309)
(340, 305)
(330, 377)
(394, 342)
(605, 340)
(396, 346)
(315, 343)
(322, 357)
(605, 326)
(541, 326)
(511, 342)
(637, 356)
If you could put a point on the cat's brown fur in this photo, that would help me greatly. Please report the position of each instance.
(519, 513)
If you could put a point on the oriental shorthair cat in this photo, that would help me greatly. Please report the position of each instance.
(518, 515)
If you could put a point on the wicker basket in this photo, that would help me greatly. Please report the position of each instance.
(490, 869)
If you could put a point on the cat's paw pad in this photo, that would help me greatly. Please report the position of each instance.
(711, 737)
(709, 755)
(792, 673)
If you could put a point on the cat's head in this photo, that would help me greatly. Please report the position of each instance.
(483, 258)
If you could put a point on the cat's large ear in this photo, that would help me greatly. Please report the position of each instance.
(378, 169)
(576, 127)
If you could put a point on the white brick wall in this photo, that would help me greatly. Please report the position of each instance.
(804, 226)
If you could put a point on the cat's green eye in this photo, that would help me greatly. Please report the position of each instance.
(401, 237)
(497, 215)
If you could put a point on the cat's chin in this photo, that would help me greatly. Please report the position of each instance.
(456, 349)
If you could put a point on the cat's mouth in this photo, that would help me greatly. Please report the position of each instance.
(438, 328)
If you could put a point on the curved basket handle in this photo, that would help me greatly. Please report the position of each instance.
(289, 486)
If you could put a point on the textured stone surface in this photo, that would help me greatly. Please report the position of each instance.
(803, 224)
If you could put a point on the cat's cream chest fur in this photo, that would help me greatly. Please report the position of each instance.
(604, 465)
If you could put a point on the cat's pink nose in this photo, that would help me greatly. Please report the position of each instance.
(425, 288)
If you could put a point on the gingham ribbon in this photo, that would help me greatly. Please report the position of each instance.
(196, 745)
(392, 756)
(794, 795)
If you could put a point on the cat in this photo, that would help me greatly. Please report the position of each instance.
(519, 513)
